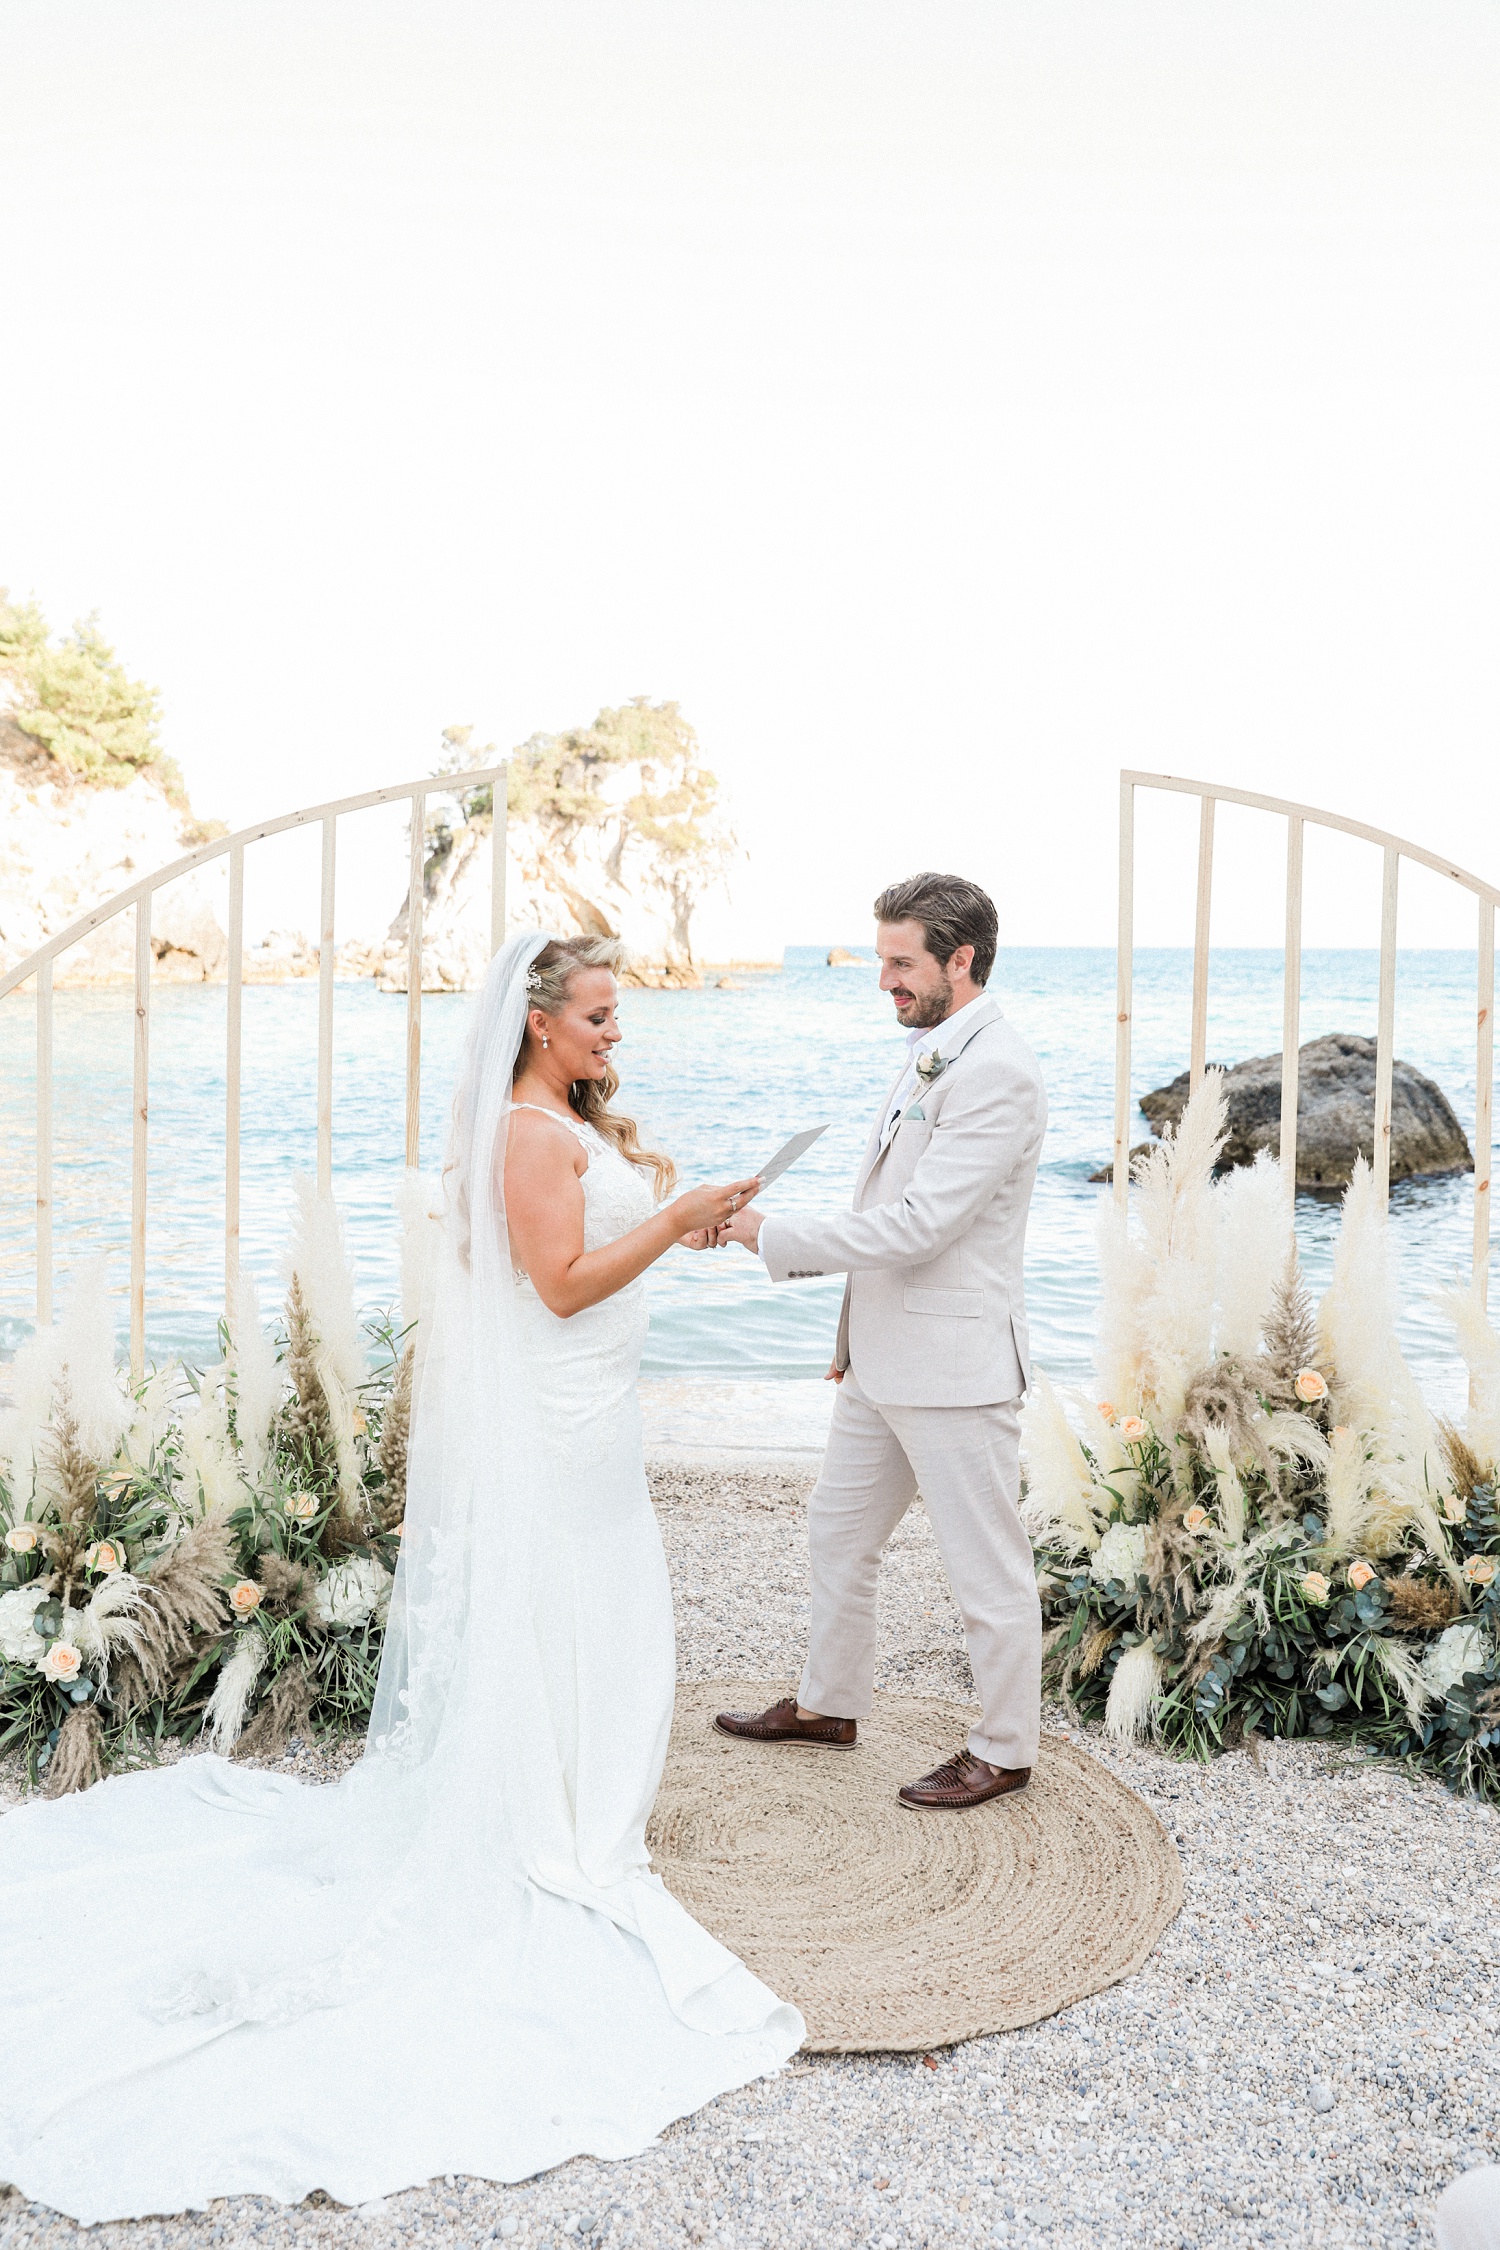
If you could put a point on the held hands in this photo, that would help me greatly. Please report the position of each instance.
(702, 1213)
(742, 1227)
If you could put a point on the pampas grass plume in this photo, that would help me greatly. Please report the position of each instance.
(257, 1377)
(229, 1704)
(1059, 1481)
(320, 1261)
(1132, 1694)
(1480, 1346)
(1254, 1239)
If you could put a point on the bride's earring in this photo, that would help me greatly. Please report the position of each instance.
(546, 1042)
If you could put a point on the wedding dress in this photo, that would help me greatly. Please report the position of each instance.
(217, 1981)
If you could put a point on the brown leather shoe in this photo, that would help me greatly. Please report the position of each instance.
(962, 1782)
(781, 1724)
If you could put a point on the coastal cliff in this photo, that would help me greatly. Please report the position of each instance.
(614, 830)
(88, 802)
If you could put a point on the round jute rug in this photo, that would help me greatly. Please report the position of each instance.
(907, 1930)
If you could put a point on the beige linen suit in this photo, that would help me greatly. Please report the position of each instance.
(933, 1338)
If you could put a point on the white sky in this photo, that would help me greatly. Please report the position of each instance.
(946, 404)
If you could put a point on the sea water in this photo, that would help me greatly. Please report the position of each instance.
(719, 1077)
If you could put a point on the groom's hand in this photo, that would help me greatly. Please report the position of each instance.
(743, 1228)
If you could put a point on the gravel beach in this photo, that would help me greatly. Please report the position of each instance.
(1309, 2057)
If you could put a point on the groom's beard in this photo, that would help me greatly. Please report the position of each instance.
(930, 1009)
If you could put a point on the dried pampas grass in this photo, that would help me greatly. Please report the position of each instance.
(1480, 1347)
(289, 1585)
(1404, 1672)
(257, 1378)
(1253, 1249)
(395, 1440)
(1132, 1694)
(1290, 1339)
(286, 1711)
(224, 1720)
(1417, 1607)
(182, 1597)
(77, 1762)
(1061, 1498)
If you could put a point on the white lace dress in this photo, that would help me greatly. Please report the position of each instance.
(215, 1980)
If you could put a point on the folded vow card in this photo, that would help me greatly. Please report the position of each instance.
(788, 1153)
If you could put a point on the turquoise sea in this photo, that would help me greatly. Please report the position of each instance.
(719, 1077)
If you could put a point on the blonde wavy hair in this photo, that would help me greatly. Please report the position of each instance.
(548, 984)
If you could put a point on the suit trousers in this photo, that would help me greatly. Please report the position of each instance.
(966, 1462)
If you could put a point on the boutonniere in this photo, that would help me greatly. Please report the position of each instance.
(931, 1066)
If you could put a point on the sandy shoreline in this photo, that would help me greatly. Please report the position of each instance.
(1308, 2058)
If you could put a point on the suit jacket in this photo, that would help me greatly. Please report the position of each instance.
(934, 1308)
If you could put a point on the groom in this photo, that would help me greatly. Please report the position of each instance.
(931, 1359)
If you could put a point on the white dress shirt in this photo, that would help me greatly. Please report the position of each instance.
(929, 1039)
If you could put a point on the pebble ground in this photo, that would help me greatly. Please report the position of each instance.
(1308, 2058)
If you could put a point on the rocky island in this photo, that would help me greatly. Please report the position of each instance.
(1335, 1114)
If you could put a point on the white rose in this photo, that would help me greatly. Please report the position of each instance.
(1121, 1553)
(19, 1643)
(1463, 1648)
(351, 1591)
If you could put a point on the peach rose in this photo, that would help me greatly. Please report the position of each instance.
(1106, 1409)
(1133, 1429)
(62, 1662)
(1361, 1574)
(1316, 1586)
(361, 1421)
(1480, 1570)
(1195, 1518)
(104, 1555)
(1455, 1507)
(1309, 1386)
(300, 1506)
(1342, 1433)
(21, 1538)
(244, 1599)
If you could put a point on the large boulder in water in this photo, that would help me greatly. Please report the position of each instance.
(1335, 1114)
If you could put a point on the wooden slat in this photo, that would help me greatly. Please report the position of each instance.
(498, 816)
(1484, 1098)
(1385, 1034)
(414, 980)
(1291, 1005)
(1320, 819)
(1198, 1052)
(1124, 966)
(138, 1138)
(325, 1010)
(233, 1048)
(44, 1145)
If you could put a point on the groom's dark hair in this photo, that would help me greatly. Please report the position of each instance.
(952, 913)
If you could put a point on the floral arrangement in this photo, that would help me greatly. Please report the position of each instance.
(1257, 1524)
(204, 1555)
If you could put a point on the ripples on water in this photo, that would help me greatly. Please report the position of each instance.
(717, 1077)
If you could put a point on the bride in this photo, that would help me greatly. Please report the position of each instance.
(218, 1981)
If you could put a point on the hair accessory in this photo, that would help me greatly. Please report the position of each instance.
(533, 980)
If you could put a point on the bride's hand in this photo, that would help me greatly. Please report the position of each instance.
(704, 1210)
(701, 1238)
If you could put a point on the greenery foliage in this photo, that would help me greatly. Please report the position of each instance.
(1271, 1534)
(74, 699)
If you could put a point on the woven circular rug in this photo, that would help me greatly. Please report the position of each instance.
(906, 1930)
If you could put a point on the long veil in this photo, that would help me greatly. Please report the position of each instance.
(346, 1931)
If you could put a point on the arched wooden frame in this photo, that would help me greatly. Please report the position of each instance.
(1395, 849)
(139, 897)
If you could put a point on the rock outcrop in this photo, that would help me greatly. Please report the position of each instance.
(613, 831)
(67, 846)
(839, 957)
(1335, 1114)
